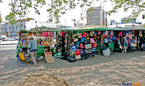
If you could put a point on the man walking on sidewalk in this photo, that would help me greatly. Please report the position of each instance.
(33, 46)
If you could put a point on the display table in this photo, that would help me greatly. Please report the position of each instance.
(40, 51)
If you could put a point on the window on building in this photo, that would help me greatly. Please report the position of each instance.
(5, 28)
(143, 16)
(35, 21)
(16, 27)
(13, 27)
(24, 26)
(10, 28)
(2, 28)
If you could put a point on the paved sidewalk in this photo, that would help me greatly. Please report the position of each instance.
(97, 71)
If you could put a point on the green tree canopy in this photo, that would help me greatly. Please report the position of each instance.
(56, 8)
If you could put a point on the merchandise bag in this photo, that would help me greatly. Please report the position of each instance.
(99, 33)
(94, 50)
(87, 41)
(71, 58)
(84, 34)
(74, 48)
(81, 46)
(71, 52)
(84, 57)
(80, 35)
(81, 51)
(95, 34)
(94, 45)
(106, 52)
(87, 51)
(88, 46)
(77, 52)
(114, 37)
(82, 39)
(92, 40)
(91, 33)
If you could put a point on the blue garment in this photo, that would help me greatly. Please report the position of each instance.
(32, 45)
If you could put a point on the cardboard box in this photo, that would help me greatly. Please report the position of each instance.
(78, 57)
(49, 59)
(47, 55)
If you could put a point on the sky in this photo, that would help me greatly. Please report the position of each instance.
(67, 18)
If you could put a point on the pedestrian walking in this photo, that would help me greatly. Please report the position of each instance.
(33, 46)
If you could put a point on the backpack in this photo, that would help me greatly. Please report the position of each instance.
(94, 50)
(114, 37)
(84, 57)
(77, 52)
(87, 41)
(74, 48)
(87, 51)
(81, 46)
(82, 39)
(81, 51)
(92, 40)
(94, 45)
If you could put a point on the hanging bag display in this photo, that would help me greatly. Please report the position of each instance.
(88, 46)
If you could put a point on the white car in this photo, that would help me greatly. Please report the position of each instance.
(11, 39)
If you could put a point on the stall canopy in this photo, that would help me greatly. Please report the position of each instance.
(97, 28)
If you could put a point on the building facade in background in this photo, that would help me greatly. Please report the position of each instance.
(130, 21)
(97, 16)
(11, 30)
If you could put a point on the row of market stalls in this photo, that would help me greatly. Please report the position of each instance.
(80, 43)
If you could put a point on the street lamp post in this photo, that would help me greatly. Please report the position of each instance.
(74, 21)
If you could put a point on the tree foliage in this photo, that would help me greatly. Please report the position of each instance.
(137, 7)
(56, 8)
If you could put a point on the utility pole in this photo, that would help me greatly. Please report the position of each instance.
(0, 27)
(74, 21)
(133, 23)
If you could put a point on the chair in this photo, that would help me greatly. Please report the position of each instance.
(40, 53)
(22, 59)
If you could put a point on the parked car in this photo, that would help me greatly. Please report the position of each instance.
(4, 39)
(11, 38)
(7, 39)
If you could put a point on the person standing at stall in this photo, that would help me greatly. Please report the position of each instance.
(33, 46)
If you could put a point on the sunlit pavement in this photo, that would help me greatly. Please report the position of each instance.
(97, 71)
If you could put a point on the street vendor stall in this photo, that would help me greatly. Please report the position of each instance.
(44, 40)
(81, 43)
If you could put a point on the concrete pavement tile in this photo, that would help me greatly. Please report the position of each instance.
(28, 75)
